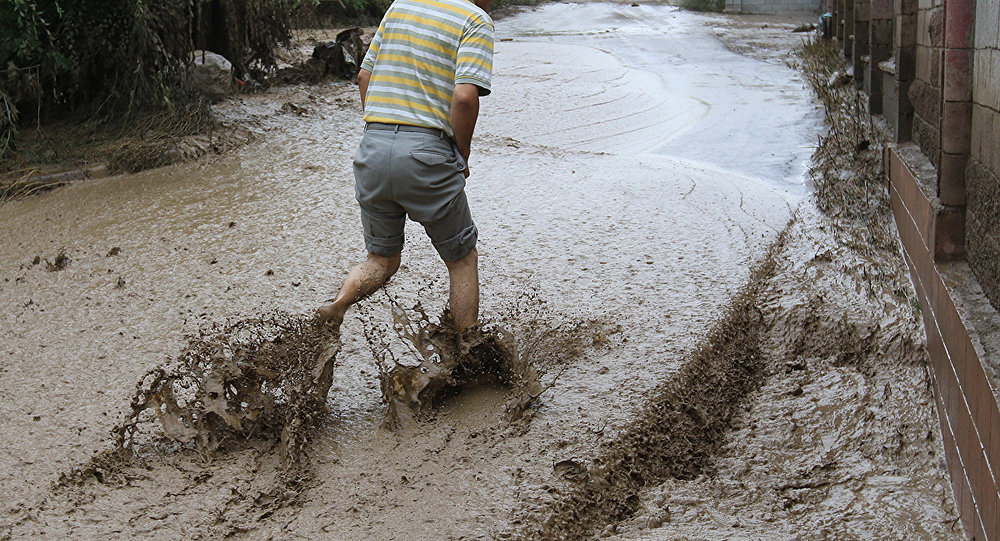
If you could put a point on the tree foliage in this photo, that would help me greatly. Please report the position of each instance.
(112, 58)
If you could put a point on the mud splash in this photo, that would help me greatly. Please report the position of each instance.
(260, 378)
(447, 363)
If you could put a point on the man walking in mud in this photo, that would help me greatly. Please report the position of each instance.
(420, 83)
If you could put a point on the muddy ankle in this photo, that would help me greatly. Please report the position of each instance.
(330, 314)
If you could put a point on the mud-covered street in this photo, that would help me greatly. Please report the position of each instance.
(716, 363)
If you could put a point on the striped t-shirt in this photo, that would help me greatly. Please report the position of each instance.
(422, 49)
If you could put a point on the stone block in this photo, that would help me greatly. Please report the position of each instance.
(992, 37)
(983, 197)
(925, 4)
(978, 75)
(993, 97)
(956, 127)
(881, 9)
(935, 78)
(951, 179)
(923, 34)
(958, 75)
(881, 31)
(993, 143)
(862, 12)
(959, 23)
(905, 7)
(923, 64)
(925, 136)
(926, 101)
(990, 157)
(983, 257)
(935, 27)
(979, 122)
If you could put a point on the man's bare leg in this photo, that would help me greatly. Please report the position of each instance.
(463, 297)
(362, 281)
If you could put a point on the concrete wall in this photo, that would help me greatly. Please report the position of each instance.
(772, 6)
(983, 172)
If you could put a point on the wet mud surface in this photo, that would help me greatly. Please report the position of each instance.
(682, 362)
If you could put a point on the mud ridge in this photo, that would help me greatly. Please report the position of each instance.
(678, 430)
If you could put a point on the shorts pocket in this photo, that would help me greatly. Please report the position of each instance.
(430, 158)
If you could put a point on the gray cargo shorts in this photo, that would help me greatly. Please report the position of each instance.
(407, 170)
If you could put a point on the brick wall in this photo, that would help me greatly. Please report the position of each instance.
(982, 177)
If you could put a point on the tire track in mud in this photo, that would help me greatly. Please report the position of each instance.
(677, 432)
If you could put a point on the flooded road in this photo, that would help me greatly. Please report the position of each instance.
(627, 171)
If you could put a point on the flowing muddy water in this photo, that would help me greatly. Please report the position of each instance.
(627, 172)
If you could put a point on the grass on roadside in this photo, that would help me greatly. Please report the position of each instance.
(847, 171)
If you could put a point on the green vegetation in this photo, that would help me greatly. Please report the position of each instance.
(109, 62)
(704, 5)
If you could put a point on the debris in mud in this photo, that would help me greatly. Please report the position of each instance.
(290, 107)
(259, 378)
(340, 58)
(114, 251)
(448, 363)
(61, 262)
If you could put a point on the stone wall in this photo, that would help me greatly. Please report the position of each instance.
(983, 171)
(925, 90)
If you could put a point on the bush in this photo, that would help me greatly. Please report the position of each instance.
(704, 5)
(112, 58)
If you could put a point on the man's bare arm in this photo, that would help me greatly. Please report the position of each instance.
(363, 77)
(464, 113)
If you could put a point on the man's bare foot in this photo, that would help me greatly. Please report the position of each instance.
(331, 314)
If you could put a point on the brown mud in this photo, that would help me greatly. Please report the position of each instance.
(447, 364)
(263, 378)
(675, 434)
(800, 411)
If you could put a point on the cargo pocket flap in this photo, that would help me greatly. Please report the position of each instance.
(430, 158)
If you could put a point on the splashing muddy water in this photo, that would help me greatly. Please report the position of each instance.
(449, 363)
(261, 378)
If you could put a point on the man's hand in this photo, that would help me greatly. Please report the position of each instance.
(464, 113)
(466, 172)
